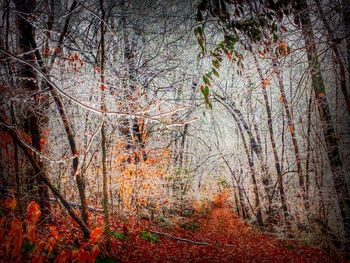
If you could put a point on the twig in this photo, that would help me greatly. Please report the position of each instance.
(181, 239)
(75, 205)
(190, 241)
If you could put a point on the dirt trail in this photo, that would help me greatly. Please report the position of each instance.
(229, 238)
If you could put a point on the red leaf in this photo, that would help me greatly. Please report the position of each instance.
(95, 251)
(46, 52)
(95, 234)
(54, 232)
(75, 56)
(42, 141)
(103, 87)
(63, 257)
(31, 232)
(33, 211)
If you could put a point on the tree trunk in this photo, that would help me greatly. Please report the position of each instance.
(38, 170)
(255, 145)
(29, 82)
(346, 21)
(332, 147)
(291, 128)
(63, 113)
(103, 132)
(273, 145)
(337, 56)
(250, 160)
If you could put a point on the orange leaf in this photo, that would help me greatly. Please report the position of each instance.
(15, 236)
(42, 141)
(15, 225)
(63, 257)
(31, 232)
(291, 129)
(265, 83)
(95, 251)
(33, 211)
(54, 232)
(18, 243)
(283, 48)
(95, 234)
(50, 244)
(11, 203)
(103, 87)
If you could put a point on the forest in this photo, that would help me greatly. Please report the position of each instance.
(174, 131)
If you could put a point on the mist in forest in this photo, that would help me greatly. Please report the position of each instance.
(174, 131)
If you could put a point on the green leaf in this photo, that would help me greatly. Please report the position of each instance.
(208, 75)
(210, 106)
(192, 226)
(290, 247)
(207, 102)
(205, 91)
(215, 72)
(117, 235)
(206, 80)
(149, 237)
(275, 37)
(27, 246)
(201, 44)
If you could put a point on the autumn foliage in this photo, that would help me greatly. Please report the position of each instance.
(26, 239)
(217, 235)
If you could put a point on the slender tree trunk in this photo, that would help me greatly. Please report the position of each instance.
(291, 128)
(127, 125)
(346, 21)
(30, 41)
(332, 147)
(38, 169)
(29, 82)
(337, 55)
(250, 160)
(185, 129)
(103, 132)
(273, 145)
(63, 113)
(251, 165)
(255, 146)
(19, 180)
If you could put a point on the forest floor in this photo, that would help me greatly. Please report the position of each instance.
(219, 236)
(216, 236)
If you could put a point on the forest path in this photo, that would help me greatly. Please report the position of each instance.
(228, 239)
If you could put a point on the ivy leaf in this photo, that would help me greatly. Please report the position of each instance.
(215, 72)
(205, 90)
(206, 80)
(216, 64)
